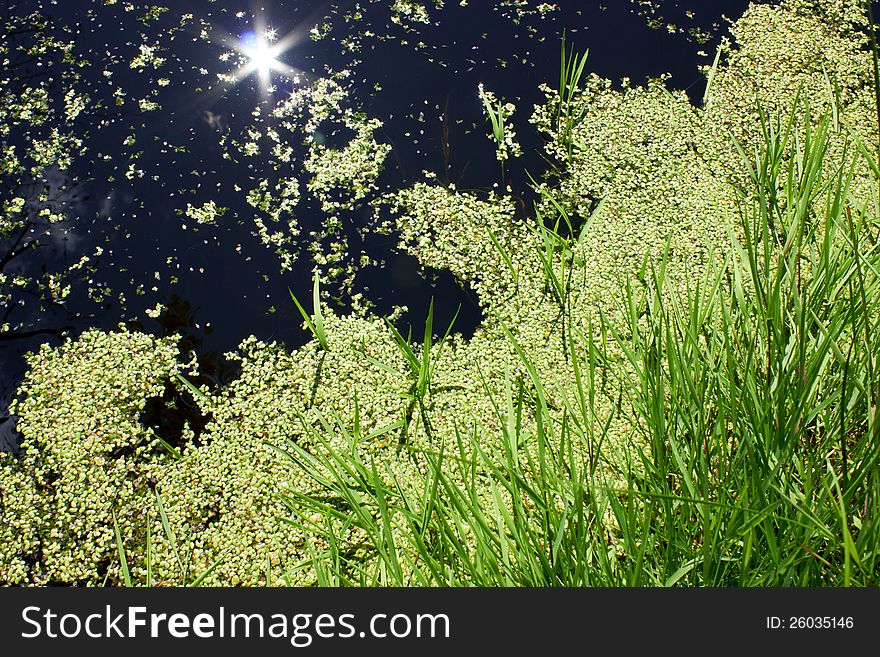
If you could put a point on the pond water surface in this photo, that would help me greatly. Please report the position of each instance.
(219, 283)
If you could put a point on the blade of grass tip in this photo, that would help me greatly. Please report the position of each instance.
(833, 98)
(196, 392)
(594, 215)
(563, 74)
(201, 578)
(686, 567)
(405, 348)
(319, 316)
(173, 451)
(505, 256)
(851, 553)
(316, 325)
(120, 548)
(490, 111)
(449, 327)
(386, 429)
(362, 351)
(580, 64)
(305, 315)
(711, 77)
(425, 362)
(149, 556)
(166, 526)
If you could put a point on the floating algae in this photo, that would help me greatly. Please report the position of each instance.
(642, 171)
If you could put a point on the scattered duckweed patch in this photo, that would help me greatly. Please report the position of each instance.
(645, 196)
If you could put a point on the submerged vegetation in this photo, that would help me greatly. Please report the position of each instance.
(675, 383)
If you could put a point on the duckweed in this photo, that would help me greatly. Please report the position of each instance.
(643, 173)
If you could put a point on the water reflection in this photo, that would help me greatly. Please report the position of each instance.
(219, 283)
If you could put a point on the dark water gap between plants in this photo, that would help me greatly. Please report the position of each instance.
(227, 286)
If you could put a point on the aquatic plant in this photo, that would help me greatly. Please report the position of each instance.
(568, 113)
(315, 321)
(86, 457)
(422, 366)
(754, 451)
(674, 382)
(499, 114)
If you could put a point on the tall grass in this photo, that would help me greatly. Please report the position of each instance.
(757, 386)
(315, 321)
(754, 460)
(527, 520)
(495, 112)
(184, 575)
(569, 113)
(422, 366)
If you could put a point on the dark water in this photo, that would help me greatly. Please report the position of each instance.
(219, 282)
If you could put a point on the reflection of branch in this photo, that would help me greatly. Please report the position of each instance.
(11, 255)
(17, 247)
(12, 33)
(463, 171)
(395, 155)
(6, 336)
(444, 140)
(56, 200)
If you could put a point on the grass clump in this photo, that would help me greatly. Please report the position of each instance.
(674, 383)
(315, 321)
(757, 387)
(754, 394)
